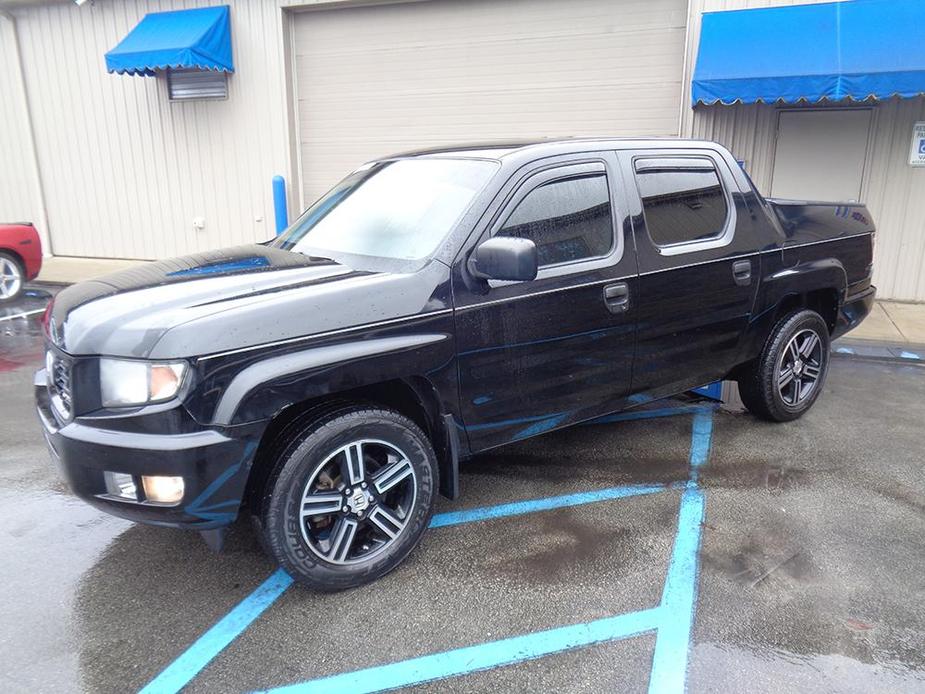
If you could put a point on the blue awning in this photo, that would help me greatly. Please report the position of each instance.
(197, 39)
(840, 50)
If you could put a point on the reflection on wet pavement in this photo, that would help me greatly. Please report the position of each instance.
(21, 335)
(812, 559)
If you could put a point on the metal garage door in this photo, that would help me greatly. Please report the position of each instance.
(371, 81)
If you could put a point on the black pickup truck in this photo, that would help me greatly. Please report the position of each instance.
(431, 306)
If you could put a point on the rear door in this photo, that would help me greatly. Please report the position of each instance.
(538, 355)
(699, 267)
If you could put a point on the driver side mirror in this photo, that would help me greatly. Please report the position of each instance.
(504, 258)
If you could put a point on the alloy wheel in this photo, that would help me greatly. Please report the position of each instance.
(357, 502)
(800, 367)
(10, 278)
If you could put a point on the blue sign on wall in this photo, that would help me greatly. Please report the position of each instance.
(917, 151)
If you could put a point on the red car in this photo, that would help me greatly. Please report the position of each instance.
(20, 258)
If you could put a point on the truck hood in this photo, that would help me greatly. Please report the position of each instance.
(225, 300)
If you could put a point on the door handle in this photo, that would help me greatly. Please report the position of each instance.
(742, 272)
(617, 297)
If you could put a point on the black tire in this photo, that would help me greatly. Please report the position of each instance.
(311, 547)
(10, 263)
(759, 382)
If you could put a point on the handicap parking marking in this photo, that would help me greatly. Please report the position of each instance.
(671, 620)
(442, 520)
(483, 656)
(679, 596)
(208, 646)
(179, 673)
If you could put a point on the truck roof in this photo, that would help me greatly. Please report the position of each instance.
(547, 146)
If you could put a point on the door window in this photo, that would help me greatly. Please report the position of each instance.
(681, 202)
(568, 219)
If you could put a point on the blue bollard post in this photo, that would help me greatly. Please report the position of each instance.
(279, 204)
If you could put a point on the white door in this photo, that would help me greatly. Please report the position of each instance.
(376, 80)
(820, 154)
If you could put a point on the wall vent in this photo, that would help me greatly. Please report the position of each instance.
(184, 85)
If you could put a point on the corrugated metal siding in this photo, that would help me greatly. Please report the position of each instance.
(125, 170)
(893, 190)
(377, 80)
(18, 197)
(895, 193)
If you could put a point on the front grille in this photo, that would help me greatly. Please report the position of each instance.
(59, 383)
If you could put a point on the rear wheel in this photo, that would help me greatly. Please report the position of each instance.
(784, 382)
(11, 277)
(350, 498)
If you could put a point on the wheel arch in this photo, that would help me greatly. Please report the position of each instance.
(818, 285)
(824, 301)
(17, 256)
(414, 397)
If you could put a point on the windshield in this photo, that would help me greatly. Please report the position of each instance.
(400, 209)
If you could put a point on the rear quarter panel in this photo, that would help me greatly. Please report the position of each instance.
(22, 240)
(823, 247)
(815, 232)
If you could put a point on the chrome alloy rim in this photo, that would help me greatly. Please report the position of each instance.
(10, 278)
(358, 501)
(799, 367)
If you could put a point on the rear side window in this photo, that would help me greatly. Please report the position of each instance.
(568, 219)
(682, 200)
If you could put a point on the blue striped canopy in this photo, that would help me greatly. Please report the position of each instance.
(196, 39)
(839, 50)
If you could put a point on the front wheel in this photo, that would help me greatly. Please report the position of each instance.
(784, 382)
(352, 496)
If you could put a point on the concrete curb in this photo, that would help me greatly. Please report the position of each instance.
(892, 352)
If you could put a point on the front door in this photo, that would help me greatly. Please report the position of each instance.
(534, 356)
(699, 267)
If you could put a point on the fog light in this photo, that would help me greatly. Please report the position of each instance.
(163, 490)
(121, 485)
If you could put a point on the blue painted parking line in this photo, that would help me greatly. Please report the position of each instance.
(182, 670)
(672, 619)
(532, 506)
(179, 673)
(679, 596)
(650, 414)
(484, 656)
(192, 661)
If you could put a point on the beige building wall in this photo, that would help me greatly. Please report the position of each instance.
(125, 171)
(373, 81)
(20, 195)
(893, 190)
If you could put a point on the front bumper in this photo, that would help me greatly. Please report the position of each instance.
(855, 309)
(213, 464)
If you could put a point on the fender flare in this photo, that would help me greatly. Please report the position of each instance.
(264, 372)
(824, 273)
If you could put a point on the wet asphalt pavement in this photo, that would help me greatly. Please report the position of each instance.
(812, 560)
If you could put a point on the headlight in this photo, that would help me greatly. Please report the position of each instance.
(124, 382)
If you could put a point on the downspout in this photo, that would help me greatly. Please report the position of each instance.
(42, 221)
